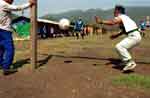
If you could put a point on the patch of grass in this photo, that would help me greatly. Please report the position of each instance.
(133, 81)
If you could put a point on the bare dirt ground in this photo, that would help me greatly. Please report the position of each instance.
(70, 68)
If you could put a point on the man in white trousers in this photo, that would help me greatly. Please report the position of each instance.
(128, 27)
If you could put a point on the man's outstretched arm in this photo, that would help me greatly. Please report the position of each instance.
(114, 21)
(10, 7)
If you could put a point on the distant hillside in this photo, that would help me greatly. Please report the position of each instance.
(137, 13)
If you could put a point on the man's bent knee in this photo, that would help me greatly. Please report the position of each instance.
(118, 47)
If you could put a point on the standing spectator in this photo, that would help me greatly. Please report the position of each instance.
(142, 27)
(79, 26)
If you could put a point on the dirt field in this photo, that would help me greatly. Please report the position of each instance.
(70, 68)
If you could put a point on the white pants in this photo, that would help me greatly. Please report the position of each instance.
(127, 43)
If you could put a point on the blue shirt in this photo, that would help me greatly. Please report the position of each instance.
(142, 25)
(79, 24)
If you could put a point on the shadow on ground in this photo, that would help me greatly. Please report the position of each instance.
(114, 61)
(21, 63)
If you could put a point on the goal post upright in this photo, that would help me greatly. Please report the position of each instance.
(33, 21)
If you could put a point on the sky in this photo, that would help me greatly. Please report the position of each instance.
(57, 6)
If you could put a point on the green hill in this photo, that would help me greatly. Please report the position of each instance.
(137, 13)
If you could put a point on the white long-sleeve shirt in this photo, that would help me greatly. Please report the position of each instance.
(5, 13)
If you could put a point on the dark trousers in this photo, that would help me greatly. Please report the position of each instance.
(78, 33)
(6, 49)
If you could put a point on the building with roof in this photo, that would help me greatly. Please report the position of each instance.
(46, 28)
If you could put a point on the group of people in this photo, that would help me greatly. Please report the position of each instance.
(46, 31)
(127, 25)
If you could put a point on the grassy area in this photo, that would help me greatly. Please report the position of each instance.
(100, 45)
(91, 57)
(133, 81)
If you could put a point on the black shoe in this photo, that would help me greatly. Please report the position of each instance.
(10, 71)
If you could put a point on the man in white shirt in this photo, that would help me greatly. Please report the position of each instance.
(6, 40)
(129, 28)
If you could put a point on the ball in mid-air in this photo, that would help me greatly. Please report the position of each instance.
(64, 23)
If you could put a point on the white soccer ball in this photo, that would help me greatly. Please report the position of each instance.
(64, 23)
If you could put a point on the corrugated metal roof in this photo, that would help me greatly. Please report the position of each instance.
(47, 21)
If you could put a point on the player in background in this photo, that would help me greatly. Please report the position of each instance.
(142, 27)
(79, 27)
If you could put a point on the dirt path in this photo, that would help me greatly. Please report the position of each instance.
(78, 74)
